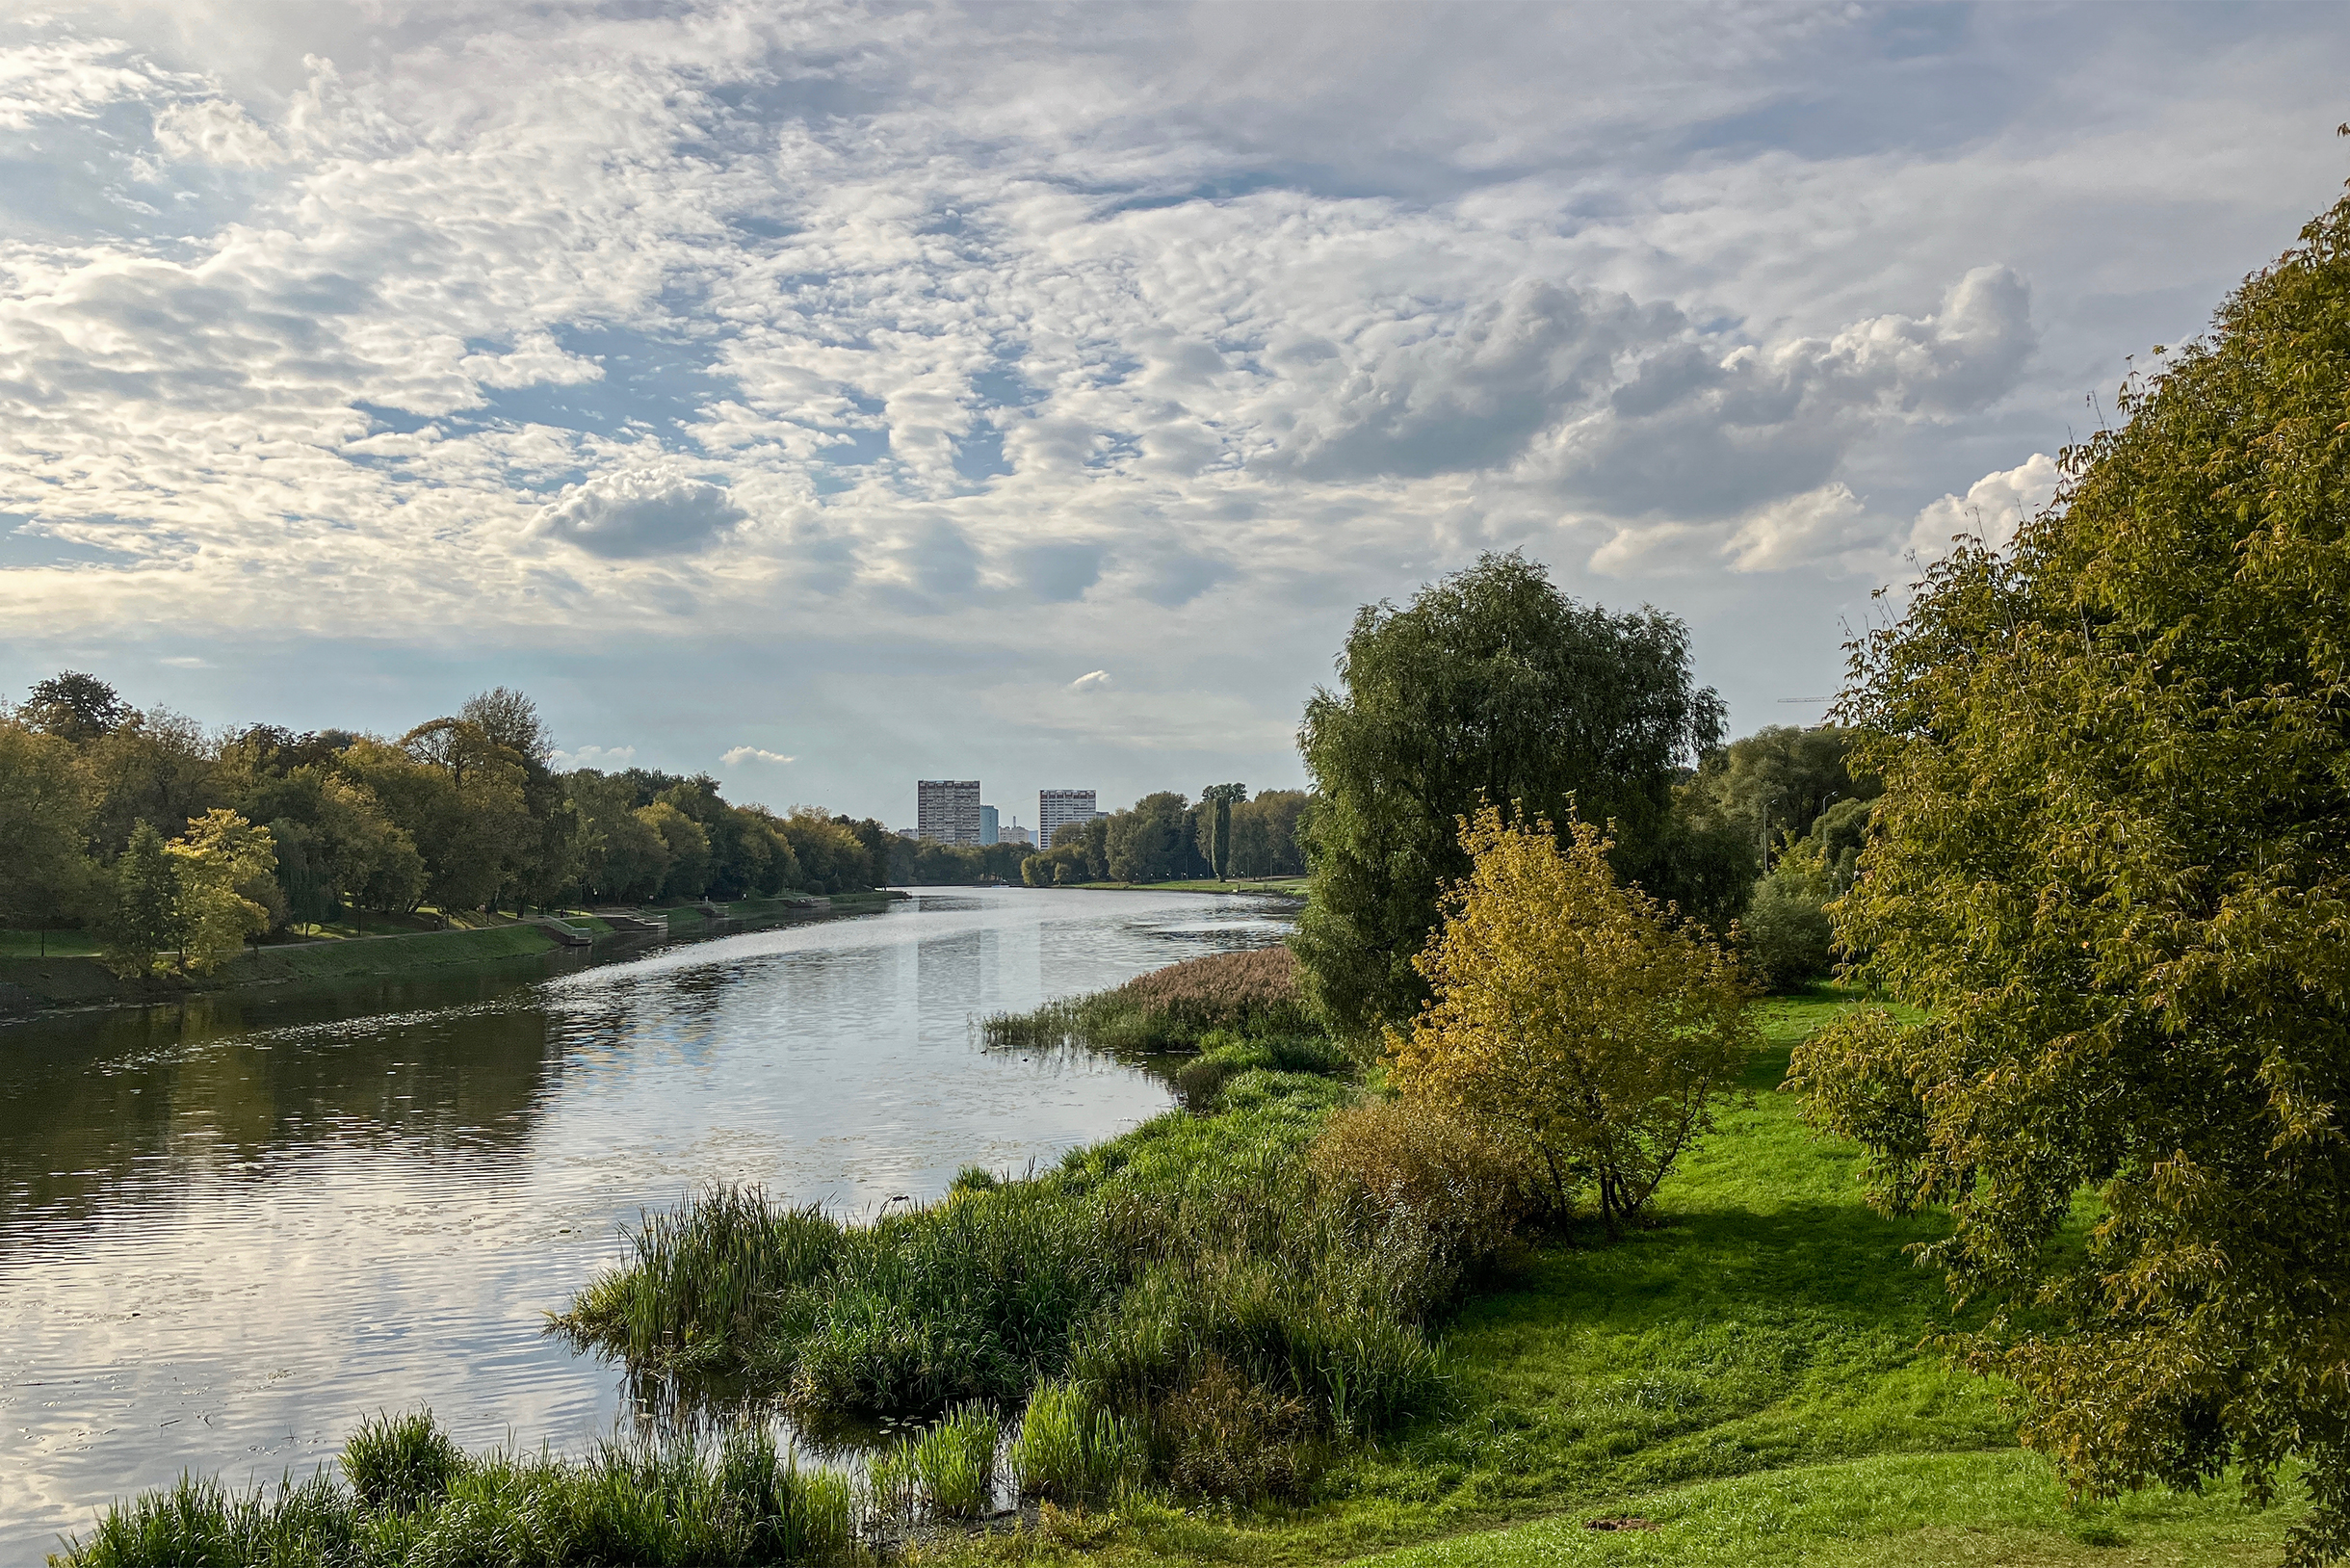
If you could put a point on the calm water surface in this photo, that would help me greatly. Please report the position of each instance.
(229, 1231)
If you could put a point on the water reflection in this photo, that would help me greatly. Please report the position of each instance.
(229, 1231)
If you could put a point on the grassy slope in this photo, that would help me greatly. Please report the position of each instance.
(78, 981)
(1748, 1373)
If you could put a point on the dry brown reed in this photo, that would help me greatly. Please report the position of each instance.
(1226, 990)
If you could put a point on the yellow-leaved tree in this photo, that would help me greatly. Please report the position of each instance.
(1578, 1016)
(223, 866)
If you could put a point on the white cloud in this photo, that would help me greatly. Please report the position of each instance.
(1156, 347)
(216, 131)
(69, 78)
(1817, 527)
(736, 756)
(534, 360)
(1098, 679)
(640, 512)
(595, 756)
(1991, 510)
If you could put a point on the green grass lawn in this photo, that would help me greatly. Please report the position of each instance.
(1749, 1374)
(54, 944)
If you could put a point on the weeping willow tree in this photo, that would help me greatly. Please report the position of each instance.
(2111, 866)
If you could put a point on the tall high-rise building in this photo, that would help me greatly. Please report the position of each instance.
(1056, 808)
(947, 810)
(988, 824)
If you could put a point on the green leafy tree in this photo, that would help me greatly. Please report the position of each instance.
(223, 868)
(140, 928)
(476, 834)
(45, 878)
(155, 767)
(1216, 807)
(2111, 870)
(1490, 687)
(1771, 786)
(1152, 841)
(74, 707)
(1265, 834)
(688, 847)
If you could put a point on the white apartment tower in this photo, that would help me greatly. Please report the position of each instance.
(947, 810)
(1056, 808)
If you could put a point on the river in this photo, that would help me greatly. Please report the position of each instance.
(231, 1230)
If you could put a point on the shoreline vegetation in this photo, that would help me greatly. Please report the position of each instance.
(33, 985)
(1273, 1325)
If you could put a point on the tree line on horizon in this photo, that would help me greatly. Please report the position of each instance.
(1166, 837)
(164, 840)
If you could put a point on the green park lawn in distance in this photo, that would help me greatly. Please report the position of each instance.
(1290, 886)
(56, 943)
(1749, 1374)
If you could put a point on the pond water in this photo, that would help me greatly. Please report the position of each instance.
(231, 1230)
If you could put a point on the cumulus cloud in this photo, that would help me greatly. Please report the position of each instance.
(736, 756)
(886, 330)
(637, 513)
(1804, 529)
(1439, 394)
(537, 358)
(1991, 510)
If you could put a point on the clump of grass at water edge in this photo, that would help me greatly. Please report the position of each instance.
(414, 1497)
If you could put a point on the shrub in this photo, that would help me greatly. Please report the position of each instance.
(1229, 1437)
(1466, 1189)
(1574, 1015)
(1788, 935)
(400, 1461)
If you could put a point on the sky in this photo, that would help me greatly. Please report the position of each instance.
(831, 397)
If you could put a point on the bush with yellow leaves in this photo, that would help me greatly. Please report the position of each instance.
(1579, 1018)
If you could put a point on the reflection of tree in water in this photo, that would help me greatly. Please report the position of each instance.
(134, 1109)
(703, 1410)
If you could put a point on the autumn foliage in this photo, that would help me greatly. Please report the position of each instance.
(1576, 1016)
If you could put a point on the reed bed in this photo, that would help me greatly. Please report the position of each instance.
(739, 1504)
(1254, 993)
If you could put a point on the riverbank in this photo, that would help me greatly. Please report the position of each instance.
(31, 985)
(1746, 1382)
